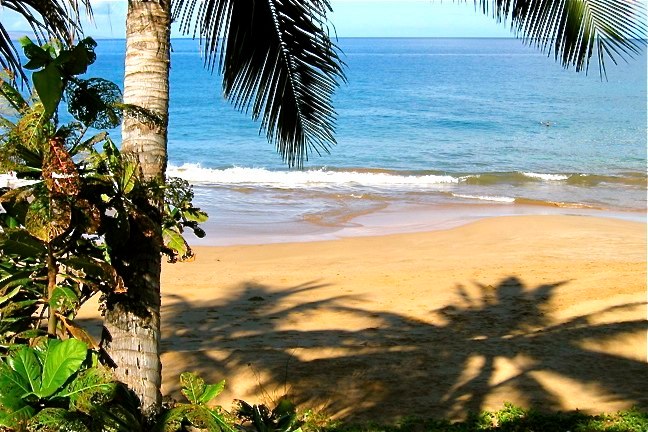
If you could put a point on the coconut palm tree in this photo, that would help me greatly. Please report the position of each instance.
(278, 61)
(131, 333)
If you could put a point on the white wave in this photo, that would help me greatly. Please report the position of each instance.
(196, 174)
(486, 198)
(547, 177)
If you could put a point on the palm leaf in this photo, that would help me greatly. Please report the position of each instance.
(575, 30)
(47, 18)
(277, 61)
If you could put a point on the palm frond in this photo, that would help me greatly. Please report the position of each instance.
(47, 18)
(574, 30)
(277, 60)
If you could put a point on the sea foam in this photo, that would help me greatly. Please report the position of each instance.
(500, 199)
(547, 177)
(322, 177)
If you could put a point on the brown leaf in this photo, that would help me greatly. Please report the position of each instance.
(59, 172)
(78, 332)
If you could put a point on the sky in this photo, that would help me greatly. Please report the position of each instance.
(351, 18)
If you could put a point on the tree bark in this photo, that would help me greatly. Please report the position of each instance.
(132, 319)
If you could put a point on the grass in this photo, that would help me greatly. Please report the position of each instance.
(509, 419)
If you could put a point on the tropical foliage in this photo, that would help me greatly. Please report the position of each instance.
(52, 18)
(196, 413)
(282, 418)
(74, 204)
(575, 30)
(59, 385)
(277, 61)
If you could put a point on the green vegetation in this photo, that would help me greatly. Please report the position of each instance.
(196, 413)
(58, 226)
(60, 385)
(508, 419)
(282, 418)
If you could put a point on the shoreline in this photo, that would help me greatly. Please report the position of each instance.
(390, 218)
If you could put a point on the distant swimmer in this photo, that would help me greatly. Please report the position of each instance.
(546, 123)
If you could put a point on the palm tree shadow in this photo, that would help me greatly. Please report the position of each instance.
(398, 365)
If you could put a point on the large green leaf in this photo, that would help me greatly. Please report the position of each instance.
(56, 420)
(62, 361)
(18, 242)
(173, 240)
(192, 386)
(211, 391)
(15, 419)
(49, 86)
(37, 56)
(47, 219)
(12, 388)
(90, 387)
(25, 363)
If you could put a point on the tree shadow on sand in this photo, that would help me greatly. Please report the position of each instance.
(497, 342)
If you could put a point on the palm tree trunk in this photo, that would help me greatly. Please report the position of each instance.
(132, 320)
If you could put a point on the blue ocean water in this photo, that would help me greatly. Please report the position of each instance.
(421, 122)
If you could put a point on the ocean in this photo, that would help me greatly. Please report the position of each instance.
(431, 133)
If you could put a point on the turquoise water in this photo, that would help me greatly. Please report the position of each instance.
(422, 122)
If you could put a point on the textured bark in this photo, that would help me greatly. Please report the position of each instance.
(146, 82)
(132, 320)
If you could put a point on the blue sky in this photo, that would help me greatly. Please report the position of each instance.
(352, 18)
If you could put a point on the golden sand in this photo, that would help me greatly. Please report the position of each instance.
(548, 311)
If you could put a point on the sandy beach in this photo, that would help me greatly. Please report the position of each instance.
(543, 311)
(546, 311)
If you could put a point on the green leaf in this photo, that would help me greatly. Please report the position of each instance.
(171, 420)
(117, 418)
(192, 386)
(10, 295)
(12, 388)
(174, 241)
(62, 361)
(22, 244)
(63, 298)
(195, 215)
(211, 391)
(16, 418)
(90, 388)
(202, 418)
(13, 96)
(57, 419)
(25, 363)
(49, 86)
(37, 56)
(47, 219)
(128, 178)
(223, 425)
